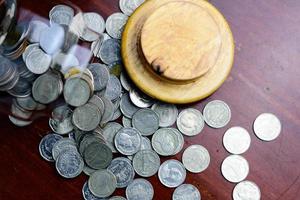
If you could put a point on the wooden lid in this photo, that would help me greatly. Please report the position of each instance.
(186, 78)
(180, 40)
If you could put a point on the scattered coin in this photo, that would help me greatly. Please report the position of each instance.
(113, 88)
(46, 145)
(217, 114)
(94, 26)
(123, 171)
(63, 145)
(115, 25)
(236, 140)
(87, 194)
(126, 122)
(29, 49)
(125, 81)
(139, 99)
(126, 106)
(172, 173)
(102, 183)
(100, 74)
(140, 189)
(235, 168)
(246, 190)
(186, 192)
(146, 121)
(88, 171)
(190, 122)
(196, 158)
(108, 112)
(110, 51)
(69, 164)
(38, 62)
(128, 141)
(146, 163)
(267, 127)
(167, 113)
(109, 132)
(61, 14)
(19, 122)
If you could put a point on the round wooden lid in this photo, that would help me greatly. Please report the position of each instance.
(176, 85)
(180, 40)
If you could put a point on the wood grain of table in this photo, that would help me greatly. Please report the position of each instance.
(265, 78)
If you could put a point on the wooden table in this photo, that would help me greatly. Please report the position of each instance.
(265, 78)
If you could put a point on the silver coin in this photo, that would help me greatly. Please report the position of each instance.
(88, 171)
(123, 171)
(235, 168)
(109, 132)
(52, 39)
(65, 61)
(140, 189)
(35, 29)
(146, 163)
(180, 140)
(87, 194)
(97, 101)
(126, 122)
(140, 99)
(127, 6)
(190, 122)
(21, 89)
(167, 113)
(236, 140)
(128, 141)
(86, 139)
(113, 88)
(77, 26)
(18, 122)
(165, 142)
(217, 114)
(196, 158)
(186, 192)
(127, 107)
(97, 155)
(69, 164)
(267, 127)
(117, 198)
(125, 81)
(117, 114)
(115, 25)
(38, 62)
(96, 45)
(102, 183)
(63, 145)
(61, 14)
(108, 112)
(145, 145)
(246, 190)
(19, 112)
(101, 75)
(47, 88)
(76, 91)
(29, 49)
(64, 124)
(110, 51)
(172, 173)
(94, 26)
(86, 117)
(46, 145)
(146, 121)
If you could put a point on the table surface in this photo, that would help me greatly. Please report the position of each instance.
(265, 78)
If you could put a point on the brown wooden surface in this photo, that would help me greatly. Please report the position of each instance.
(265, 78)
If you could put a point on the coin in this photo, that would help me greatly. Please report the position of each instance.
(63, 124)
(18, 122)
(246, 190)
(126, 122)
(38, 62)
(94, 26)
(35, 29)
(139, 99)
(88, 171)
(123, 171)
(235, 168)
(97, 101)
(267, 127)
(113, 88)
(108, 112)
(69, 164)
(146, 163)
(186, 191)
(61, 14)
(217, 114)
(167, 113)
(21, 89)
(146, 121)
(115, 25)
(100, 74)
(126, 106)
(165, 142)
(110, 51)
(145, 145)
(128, 141)
(125, 81)
(87, 194)
(140, 189)
(109, 132)
(196, 158)
(97, 155)
(172, 173)
(190, 122)
(129, 6)
(29, 49)
(117, 198)
(102, 183)
(86, 117)
(63, 145)
(46, 145)
(236, 140)
(52, 39)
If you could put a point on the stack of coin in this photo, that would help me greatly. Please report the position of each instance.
(9, 74)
